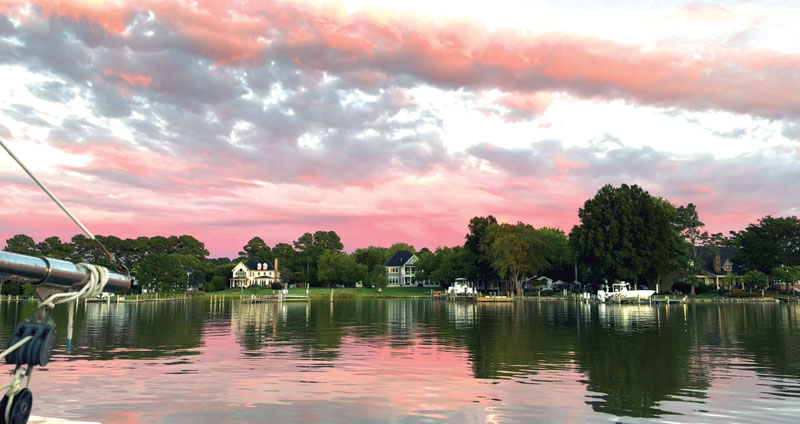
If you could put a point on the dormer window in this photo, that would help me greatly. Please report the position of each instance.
(259, 267)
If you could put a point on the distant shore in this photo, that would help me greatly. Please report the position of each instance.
(425, 292)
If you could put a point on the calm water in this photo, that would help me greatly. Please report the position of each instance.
(420, 361)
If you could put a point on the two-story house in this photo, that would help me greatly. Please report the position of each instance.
(714, 266)
(400, 269)
(255, 273)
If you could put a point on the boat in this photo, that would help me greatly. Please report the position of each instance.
(461, 286)
(621, 292)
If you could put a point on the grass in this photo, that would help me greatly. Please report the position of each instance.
(323, 292)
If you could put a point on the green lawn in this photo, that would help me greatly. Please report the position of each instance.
(337, 293)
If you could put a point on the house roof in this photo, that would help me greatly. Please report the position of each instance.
(706, 259)
(399, 259)
(253, 265)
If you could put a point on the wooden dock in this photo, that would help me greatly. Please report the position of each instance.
(274, 298)
(667, 300)
(495, 299)
(457, 297)
(133, 299)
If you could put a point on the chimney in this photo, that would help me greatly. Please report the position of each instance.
(717, 264)
(277, 273)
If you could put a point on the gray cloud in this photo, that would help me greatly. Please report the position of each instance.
(733, 133)
(722, 186)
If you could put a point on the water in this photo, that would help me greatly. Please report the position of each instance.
(418, 360)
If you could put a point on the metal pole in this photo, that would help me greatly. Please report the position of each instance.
(54, 273)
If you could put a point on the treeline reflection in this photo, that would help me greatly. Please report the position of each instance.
(632, 358)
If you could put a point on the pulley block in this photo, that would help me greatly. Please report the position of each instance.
(38, 350)
(20, 408)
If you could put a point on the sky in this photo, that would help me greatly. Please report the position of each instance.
(391, 121)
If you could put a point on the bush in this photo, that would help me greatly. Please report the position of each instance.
(705, 288)
(276, 286)
(547, 292)
(682, 288)
(742, 294)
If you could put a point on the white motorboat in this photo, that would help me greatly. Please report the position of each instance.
(461, 286)
(621, 292)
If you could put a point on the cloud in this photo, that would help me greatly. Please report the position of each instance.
(231, 119)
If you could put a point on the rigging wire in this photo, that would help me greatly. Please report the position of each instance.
(61, 205)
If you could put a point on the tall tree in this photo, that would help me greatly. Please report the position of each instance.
(328, 240)
(22, 244)
(311, 246)
(372, 257)
(397, 247)
(53, 247)
(187, 245)
(256, 250)
(627, 234)
(520, 250)
(450, 263)
(475, 243)
(770, 243)
(786, 275)
(340, 268)
(162, 273)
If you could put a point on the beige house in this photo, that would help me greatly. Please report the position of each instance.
(255, 273)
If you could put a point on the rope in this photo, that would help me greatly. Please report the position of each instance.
(98, 277)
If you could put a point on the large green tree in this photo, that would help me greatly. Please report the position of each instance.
(476, 244)
(310, 248)
(340, 268)
(256, 249)
(22, 244)
(770, 243)
(449, 263)
(627, 234)
(786, 275)
(520, 250)
(372, 257)
(53, 247)
(397, 247)
(161, 273)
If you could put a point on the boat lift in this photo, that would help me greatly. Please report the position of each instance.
(56, 281)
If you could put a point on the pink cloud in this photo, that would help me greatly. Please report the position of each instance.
(465, 53)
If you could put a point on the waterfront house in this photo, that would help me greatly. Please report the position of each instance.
(400, 269)
(255, 273)
(713, 266)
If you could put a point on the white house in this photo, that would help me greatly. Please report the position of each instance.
(400, 269)
(255, 273)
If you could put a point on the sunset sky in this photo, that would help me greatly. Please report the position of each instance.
(391, 121)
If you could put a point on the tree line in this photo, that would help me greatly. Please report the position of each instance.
(624, 233)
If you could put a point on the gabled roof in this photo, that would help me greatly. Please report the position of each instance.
(253, 265)
(399, 259)
(706, 259)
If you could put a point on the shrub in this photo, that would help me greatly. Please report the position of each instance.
(276, 286)
(705, 288)
(742, 294)
(547, 292)
(682, 288)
